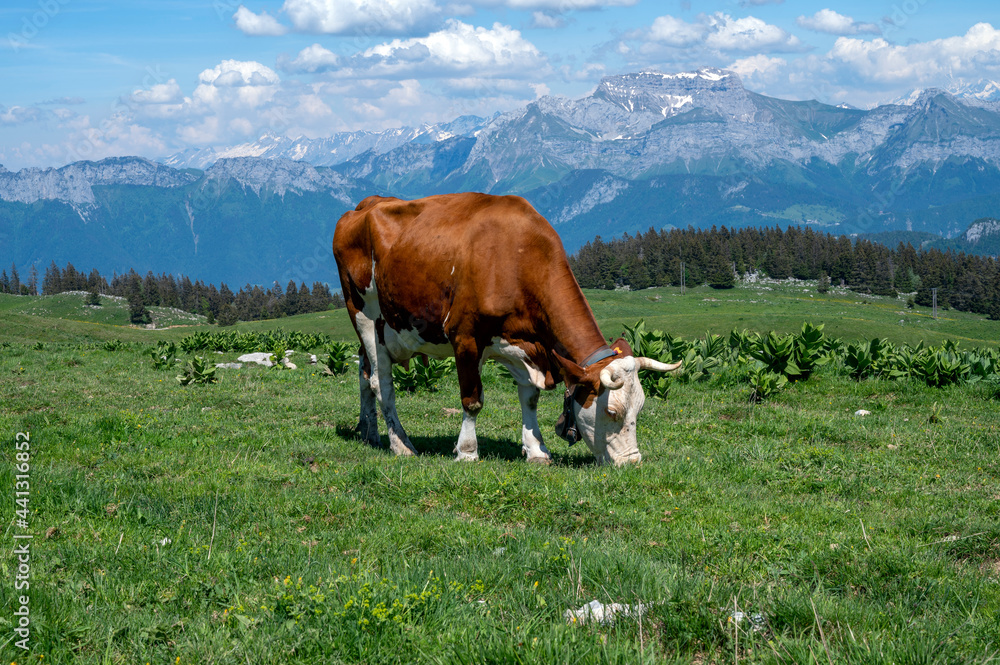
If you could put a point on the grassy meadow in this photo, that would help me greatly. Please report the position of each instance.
(241, 522)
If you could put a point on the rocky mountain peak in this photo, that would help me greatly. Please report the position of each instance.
(73, 183)
(982, 229)
(278, 175)
(667, 94)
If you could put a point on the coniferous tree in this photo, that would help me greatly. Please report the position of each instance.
(33, 280)
(823, 286)
(138, 314)
(14, 282)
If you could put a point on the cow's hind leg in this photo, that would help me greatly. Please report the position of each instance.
(368, 422)
(470, 385)
(399, 442)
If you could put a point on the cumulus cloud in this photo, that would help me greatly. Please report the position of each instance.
(676, 32)
(830, 22)
(160, 93)
(458, 49)
(312, 59)
(722, 32)
(262, 24)
(367, 17)
(236, 82)
(399, 17)
(757, 65)
(231, 100)
(566, 5)
(748, 34)
(974, 53)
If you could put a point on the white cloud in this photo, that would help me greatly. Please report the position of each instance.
(829, 21)
(365, 17)
(459, 48)
(236, 83)
(17, 115)
(722, 32)
(258, 24)
(748, 34)
(394, 17)
(676, 32)
(566, 5)
(546, 20)
(977, 52)
(160, 93)
(757, 65)
(312, 59)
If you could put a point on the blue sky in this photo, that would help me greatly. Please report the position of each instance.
(86, 79)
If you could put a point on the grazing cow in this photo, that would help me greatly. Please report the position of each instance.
(476, 276)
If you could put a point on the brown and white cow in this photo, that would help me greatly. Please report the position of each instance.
(476, 276)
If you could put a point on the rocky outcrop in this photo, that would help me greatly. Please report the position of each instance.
(74, 183)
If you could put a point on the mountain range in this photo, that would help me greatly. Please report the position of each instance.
(643, 150)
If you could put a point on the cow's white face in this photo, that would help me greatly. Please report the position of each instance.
(608, 424)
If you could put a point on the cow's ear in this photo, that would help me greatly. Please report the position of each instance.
(621, 347)
(571, 372)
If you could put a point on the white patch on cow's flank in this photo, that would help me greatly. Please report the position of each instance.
(516, 361)
(404, 344)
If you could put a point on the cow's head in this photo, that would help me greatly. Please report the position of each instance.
(606, 400)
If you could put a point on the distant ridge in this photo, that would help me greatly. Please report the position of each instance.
(645, 149)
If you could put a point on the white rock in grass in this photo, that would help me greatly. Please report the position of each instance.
(228, 365)
(259, 358)
(596, 611)
(862, 412)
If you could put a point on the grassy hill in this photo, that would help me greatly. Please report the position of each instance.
(242, 522)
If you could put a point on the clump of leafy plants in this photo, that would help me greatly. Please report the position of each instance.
(164, 356)
(423, 374)
(764, 383)
(114, 345)
(199, 372)
(278, 354)
(338, 358)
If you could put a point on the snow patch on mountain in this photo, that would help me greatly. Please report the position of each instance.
(605, 190)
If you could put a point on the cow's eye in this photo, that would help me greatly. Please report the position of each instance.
(612, 413)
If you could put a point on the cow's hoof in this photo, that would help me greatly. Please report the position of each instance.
(540, 460)
(402, 449)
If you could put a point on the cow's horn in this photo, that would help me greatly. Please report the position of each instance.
(611, 382)
(656, 365)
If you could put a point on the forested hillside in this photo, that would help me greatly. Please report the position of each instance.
(219, 304)
(720, 256)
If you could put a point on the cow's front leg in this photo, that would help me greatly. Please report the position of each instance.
(531, 434)
(368, 421)
(399, 442)
(470, 385)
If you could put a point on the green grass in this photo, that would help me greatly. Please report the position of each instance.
(241, 521)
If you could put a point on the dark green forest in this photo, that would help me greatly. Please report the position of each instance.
(221, 305)
(720, 256)
(717, 257)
